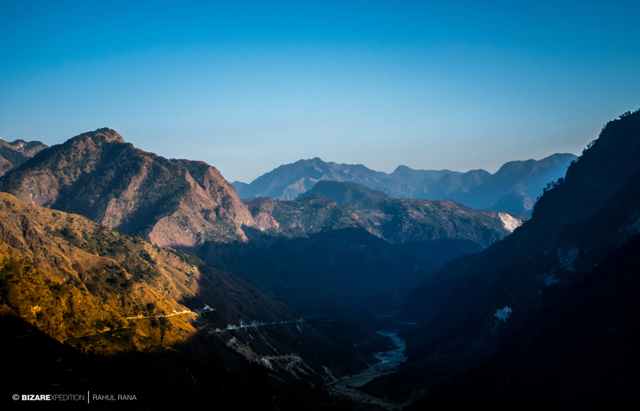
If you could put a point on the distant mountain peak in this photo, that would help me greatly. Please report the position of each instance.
(402, 169)
(307, 161)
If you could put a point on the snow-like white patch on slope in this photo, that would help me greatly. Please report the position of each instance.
(503, 314)
(509, 222)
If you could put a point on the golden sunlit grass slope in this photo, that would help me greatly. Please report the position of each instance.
(79, 282)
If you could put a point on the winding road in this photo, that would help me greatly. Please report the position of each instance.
(174, 314)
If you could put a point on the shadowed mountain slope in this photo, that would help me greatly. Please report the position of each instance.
(555, 266)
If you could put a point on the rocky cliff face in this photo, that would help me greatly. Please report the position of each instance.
(175, 203)
(14, 153)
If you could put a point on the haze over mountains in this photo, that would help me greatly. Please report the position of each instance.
(514, 188)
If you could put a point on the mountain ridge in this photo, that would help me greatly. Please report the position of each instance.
(178, 203)
(341, 244)
(332, 205)
(513, 188)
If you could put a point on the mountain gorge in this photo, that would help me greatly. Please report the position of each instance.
(89, 293)
(110, 282)
(127, 266)
(514, 188)
(343, 242)
(188, 205)
(97, 286)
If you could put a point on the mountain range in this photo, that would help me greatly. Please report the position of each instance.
(89, 242)
(118, 266)
(188, 205)
(514, 188)
(332, 205)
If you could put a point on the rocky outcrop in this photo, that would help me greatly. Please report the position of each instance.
(175, 203)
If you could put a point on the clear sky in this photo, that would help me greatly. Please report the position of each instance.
(248, 85)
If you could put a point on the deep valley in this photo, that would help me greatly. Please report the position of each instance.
(123, 271)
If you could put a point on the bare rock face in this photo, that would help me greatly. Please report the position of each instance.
(14, 153)
(175, 203)
(262, 210)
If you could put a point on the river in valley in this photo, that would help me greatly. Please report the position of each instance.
(386, 362)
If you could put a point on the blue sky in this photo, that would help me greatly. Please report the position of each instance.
(248, 85)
